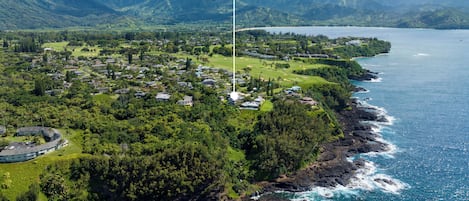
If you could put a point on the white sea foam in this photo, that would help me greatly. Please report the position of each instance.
(322, 193)
(379, 111)
(363, 92)
(379, 79)
(389, 151)
(366, 179)
(377, 128)
(421, 55)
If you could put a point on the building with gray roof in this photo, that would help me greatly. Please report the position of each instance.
(23, 151)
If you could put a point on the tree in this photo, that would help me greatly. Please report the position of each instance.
(3, 197)
(142, 54)
(188, 63)
(31, 195)
(130, 57)
(69, 75)
(39, 87)
(285, 138)
(5, 44)
(53, 185)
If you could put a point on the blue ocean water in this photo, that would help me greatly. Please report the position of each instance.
(424, 86)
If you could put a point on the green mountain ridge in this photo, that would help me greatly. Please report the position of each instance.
(43, 14)
(32, 14)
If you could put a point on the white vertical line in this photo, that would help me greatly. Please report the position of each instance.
(234, 45)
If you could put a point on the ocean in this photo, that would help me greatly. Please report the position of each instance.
(424, 91)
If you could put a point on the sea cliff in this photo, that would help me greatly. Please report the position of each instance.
(334, 166)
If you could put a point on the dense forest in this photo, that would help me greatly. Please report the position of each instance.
(133, 146)
(178, 14)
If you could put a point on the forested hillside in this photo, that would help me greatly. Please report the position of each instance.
(34, 14)
(147, 114)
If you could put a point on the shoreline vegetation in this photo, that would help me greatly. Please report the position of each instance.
(151, 117)
(332, 167)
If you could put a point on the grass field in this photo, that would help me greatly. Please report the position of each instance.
(265, 69)
(267, 106)
(76, 51)
(25, 173)
(57, 46)
(93, 51)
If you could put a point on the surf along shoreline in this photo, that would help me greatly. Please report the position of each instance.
(333, 167)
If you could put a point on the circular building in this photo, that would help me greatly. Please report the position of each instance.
(23, 151)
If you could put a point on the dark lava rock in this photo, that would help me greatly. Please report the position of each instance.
(272, 197)
(362, 127)
(337, 173)
(326, 156)
(359, 163)
(386, 181)
(368, 76)
(367, 135)
(359, 89)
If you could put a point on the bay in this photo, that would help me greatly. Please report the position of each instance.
(424, 86)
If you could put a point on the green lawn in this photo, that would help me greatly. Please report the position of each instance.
(235, 155)
(104, 98)
(25, 173)
(76, 51)
(93, 51)
(57, 46)
(266, 69)
(267, 106)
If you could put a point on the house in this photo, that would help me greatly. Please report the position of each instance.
(56, 76)
(323, 56)
(102, 89)
(181, 72)
(99, 66)
(308, 101)
(150, 84)
(143, 69)
(186, 101)
(209, 82)
(259, 100)
(129, 77)
(354, 42)
(250, 105)
(185, 84)
(20, 151)
(67, 85)
(163, 96)
(260, 56)
(54, 92)
(140, 94)
(122, 91)
(110, 61)
(295, 89)
(78, 72)
(241, 82)
(140, 76)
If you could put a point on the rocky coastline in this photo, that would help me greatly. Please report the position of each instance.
(332, 167)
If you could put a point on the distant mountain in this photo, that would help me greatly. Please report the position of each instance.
(448, 18)
(32, 14)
